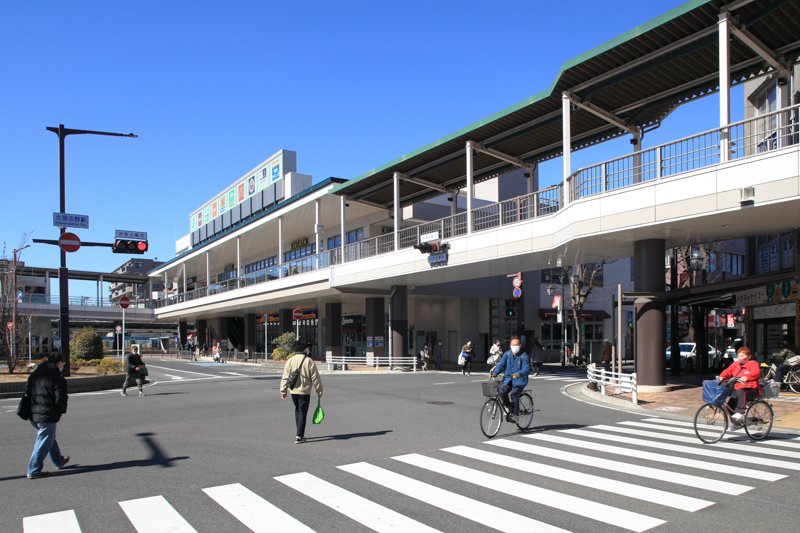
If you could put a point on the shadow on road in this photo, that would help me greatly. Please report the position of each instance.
(346, 436)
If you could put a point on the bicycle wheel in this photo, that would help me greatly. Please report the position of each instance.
(491, 417)
(710, 423)
(758, 420)
(793, 380)
(525, 419)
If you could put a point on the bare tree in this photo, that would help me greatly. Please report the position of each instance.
(15, 322)
(581, 283)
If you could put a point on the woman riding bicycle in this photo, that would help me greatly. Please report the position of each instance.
(515, 366)
(747, 373)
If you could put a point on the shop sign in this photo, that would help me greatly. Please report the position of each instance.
(351, 320)
(378, 342)
(369, 342)
(299, 243)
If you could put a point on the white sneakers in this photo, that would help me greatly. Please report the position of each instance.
(737, 416)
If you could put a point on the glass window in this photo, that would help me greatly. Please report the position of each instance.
(299, 252)
(355, 235)
(334, 242)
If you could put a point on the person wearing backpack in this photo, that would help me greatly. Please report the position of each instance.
(300, 374)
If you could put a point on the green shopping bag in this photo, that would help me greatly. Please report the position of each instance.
(319, 414)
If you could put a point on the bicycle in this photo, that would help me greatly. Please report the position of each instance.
(791, 378)
(713, 418)
(494, 411)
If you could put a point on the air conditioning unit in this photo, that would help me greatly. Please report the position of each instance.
(747, 196)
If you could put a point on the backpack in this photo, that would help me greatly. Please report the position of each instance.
(294, 377)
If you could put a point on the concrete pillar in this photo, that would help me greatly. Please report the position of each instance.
(454, 203)
(208, 270)
(566, 142)
(649, 315)
(470, 185)
(399, 320)
(250, 333)
(723, 32)
(201, 333)
(280, 242)
(333, 329)
(342, 226)
(238, 258)
(376, 324)
(285, 320)
(396, 209)
(182, 328)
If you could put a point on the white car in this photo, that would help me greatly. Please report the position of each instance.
(689, 355)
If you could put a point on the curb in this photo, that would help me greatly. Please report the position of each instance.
(15, 389)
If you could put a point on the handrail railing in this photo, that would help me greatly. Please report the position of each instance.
(622, 382)
(371, 361)
(79, 301)
(746, 138)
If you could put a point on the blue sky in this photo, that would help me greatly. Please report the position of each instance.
(212, 88)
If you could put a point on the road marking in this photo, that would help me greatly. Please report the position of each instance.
(233, 373)
(155, 515)
(787, 440)
(538, 495)
(366, 512)
(477, 511)
(170, 376)
(445, 383)
(61, 522)
(744, 448)
(659, 457)
(254, 511)
(184, 371)
(706, 450)
(620, 466)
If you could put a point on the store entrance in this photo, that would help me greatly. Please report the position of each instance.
(354, 342)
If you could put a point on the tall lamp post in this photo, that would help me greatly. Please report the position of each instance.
(551, 290)
(14, 255)
(63, 274)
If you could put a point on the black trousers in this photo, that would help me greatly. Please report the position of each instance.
(301, 403)
(739, 399)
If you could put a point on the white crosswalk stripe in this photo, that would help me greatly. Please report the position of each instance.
(784, 440)
(593, 475)
(155, 515)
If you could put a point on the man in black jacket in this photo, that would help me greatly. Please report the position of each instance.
(47, 389)
(134, 372)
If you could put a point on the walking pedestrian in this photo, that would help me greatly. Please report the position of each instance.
(425, 356)
(307, 378)
(47, 390)
(437, 356)
(538, 356)
(465, 358)
(135, 371)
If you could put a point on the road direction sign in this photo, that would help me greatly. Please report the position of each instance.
(131, 235)
(124, 302)
(517, 292)
(516, 282)
(297, 314)
(68, 220)
(69, 242)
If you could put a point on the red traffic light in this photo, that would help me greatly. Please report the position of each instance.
(430, 247)
(129, 246)
(141, 246)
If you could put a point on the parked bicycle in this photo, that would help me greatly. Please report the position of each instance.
(713, 418)
(791, 377)
(494, 411)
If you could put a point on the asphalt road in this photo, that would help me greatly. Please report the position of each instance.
(395, 450)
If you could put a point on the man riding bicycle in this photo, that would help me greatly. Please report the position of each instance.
(747, 373)
(515, 366)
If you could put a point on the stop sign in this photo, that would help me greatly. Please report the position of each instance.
(297, 314)
(10, 325)
(69, 242)
(124, 302)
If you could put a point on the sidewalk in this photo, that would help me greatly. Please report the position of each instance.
(686, 398)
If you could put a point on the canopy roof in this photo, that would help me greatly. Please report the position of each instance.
(640, 77)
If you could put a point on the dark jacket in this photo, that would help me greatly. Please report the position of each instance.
(134, 360)
(48, 391)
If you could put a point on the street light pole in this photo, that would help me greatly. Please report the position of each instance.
(63, 273)
(14, 254)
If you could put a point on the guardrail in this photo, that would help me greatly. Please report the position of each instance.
(372, 361)
(624, 383)
(79, 301)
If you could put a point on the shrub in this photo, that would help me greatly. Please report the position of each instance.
(87, 344)
(77, 363)
(284, 349)
(109, 365)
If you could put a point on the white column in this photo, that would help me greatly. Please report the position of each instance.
(342, 202)
(184, 280)
(166, 284)
(454, 203)
(317, 227)
(396, 209)
(280, 240)
(566, 142)
(724, 85)
(208, 270)
(470, 186)
(238, 258)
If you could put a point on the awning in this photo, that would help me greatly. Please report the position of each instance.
(586, 313)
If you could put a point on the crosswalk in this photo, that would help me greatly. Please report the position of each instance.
(633, 475)
(573, 376)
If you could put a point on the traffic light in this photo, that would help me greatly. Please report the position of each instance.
(429, 247)
(129, 246)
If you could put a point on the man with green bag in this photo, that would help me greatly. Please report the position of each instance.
(299, 375)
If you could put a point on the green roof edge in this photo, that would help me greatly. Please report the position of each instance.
(597, 50)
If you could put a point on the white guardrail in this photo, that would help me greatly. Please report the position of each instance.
(604, 378)
(372, 361)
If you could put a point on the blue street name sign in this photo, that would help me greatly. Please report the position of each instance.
(437, 259)
(68, 220)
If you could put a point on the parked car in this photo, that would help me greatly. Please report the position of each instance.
(689, 355)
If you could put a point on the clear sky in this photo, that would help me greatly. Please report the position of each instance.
(212, 88)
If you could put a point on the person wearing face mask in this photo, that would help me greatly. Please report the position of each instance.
(47, 389)
(515, 366)
(746, 372)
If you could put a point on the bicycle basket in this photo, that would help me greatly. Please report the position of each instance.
(714, 393)
(490, 388)
(770, 390)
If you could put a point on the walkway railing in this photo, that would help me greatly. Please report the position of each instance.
(341, 362)
(623, 383)
(79, 301)
(747, 138)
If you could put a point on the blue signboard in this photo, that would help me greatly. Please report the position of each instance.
(437, 259)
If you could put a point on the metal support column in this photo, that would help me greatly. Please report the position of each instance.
(566, 142)
(280, 241)
(724, 86)
(470, 185)
(342, 226)
(396, 209)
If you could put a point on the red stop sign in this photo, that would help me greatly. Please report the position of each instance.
(124, 302)
(69, 242)
(297, 314)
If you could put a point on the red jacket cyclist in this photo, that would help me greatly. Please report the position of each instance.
(747, 373)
